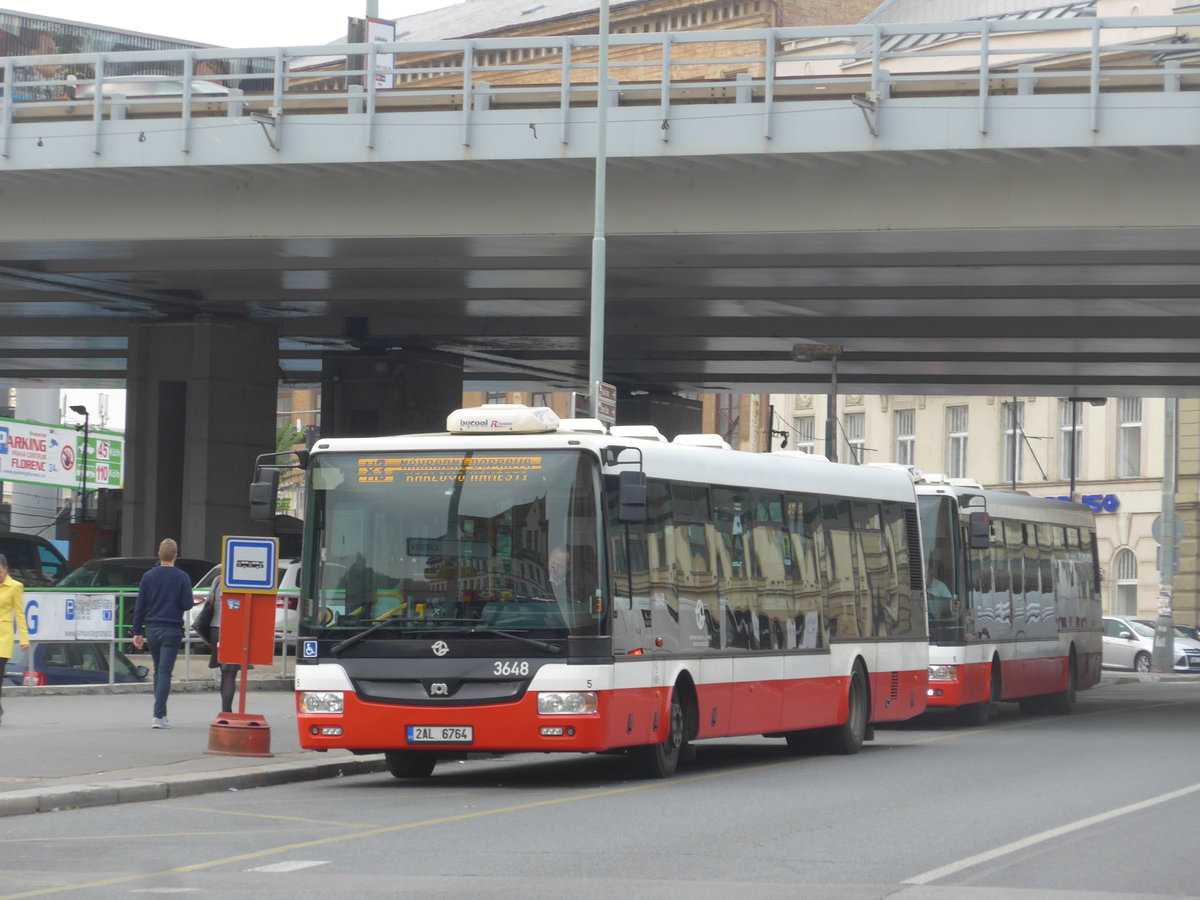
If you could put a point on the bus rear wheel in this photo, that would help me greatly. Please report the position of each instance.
(410, 763)
(661, 760)
(848, 737)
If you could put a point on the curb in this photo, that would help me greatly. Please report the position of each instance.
(134, 790)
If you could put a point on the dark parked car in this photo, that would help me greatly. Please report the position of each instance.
(69, 662)
(119, 572)
(32, 560)
(122, 575)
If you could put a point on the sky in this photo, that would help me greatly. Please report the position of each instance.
(226, 23)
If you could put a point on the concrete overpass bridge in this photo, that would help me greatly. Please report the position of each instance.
(983, 207)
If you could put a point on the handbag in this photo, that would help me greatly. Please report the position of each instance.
(202, 624)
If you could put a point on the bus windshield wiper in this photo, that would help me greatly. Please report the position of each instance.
(533, 642)
(349, 642)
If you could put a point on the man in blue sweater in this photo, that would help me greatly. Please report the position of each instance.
(164, 595)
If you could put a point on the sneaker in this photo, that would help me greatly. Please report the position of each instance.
(160, 723)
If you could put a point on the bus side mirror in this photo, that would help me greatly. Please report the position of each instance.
(979, 531)
(263, 491)
(632, 496)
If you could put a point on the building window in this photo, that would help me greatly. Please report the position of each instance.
(855, 424)
(496, 397)
(541, 398)
(283, 411)
(906, 436)
(956, 441)
(805, 429)
(1013, 438)
(1066, 468)
(1129, 437)
(1125, 566)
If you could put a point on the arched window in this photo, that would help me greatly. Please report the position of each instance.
(1125, 568)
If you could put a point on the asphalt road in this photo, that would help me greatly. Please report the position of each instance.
(1097, 803)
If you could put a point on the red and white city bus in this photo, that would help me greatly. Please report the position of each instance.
(1014, 601)
(525, 584)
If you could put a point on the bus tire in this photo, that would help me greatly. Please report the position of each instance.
(410, 763)
(847, 739)
(1060, 704)
(976, 714)
(661, 760)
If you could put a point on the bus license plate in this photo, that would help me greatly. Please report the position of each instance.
(440, 734)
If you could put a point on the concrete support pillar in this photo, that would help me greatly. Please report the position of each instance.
(370, 394)
(201, 407)
(1185, 601)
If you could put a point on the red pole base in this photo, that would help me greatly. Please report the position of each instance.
(239, 734)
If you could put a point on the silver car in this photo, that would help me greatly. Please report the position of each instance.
(1129, 644)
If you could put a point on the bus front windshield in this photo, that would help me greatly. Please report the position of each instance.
(419, 542)
(943, 571)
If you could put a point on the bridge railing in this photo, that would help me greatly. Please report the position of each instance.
(863, 64)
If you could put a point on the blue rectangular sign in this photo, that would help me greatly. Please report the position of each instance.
(249, 564)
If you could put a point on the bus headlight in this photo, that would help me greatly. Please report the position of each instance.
(943, 673)
(321, 702)
(566, 704)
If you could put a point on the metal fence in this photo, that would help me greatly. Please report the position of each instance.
(767, 69)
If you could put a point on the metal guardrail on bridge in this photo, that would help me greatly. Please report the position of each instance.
(765, 71)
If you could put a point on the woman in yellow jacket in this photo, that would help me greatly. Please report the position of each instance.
(12, 612)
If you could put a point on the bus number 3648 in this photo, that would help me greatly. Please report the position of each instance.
(510, 668)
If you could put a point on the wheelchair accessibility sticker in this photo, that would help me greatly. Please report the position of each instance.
(310, 650)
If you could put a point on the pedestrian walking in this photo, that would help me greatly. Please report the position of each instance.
(12, 618)
(164, 595)
(208, 625)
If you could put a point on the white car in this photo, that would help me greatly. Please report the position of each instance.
(287, 597)
(1129, 644)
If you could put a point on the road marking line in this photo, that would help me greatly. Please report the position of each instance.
(292, 865)
(1051, 834)
(249, 815)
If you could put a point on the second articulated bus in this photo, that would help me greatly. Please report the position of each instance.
(524, 584)
(1014, 602)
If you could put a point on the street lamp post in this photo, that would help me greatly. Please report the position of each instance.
(831, 352)
(599, 244)
(82, 411)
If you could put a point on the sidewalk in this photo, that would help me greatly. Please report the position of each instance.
(69, 747)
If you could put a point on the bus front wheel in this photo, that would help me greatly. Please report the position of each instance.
(410, 763)
(661, 760)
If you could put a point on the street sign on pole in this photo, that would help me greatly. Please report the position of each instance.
(606, 410)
